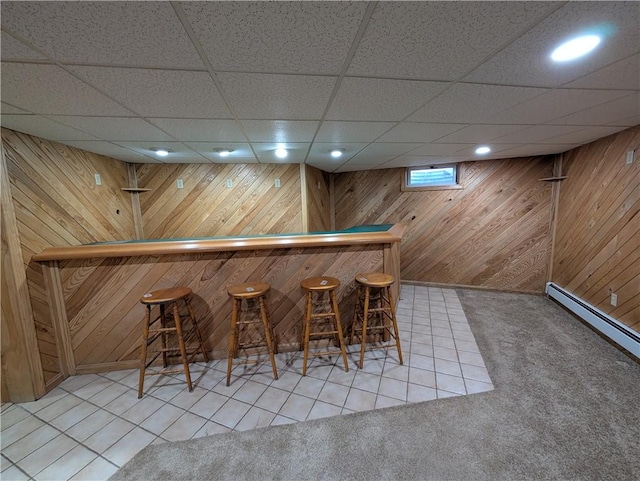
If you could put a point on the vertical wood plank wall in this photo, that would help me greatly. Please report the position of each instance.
(206, 207)
(318, 199)
(57, 203)
(598, 232)
(494, 233)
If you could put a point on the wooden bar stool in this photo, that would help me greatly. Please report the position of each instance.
(168, 298)
(248, 291)
(322, 285)
(384, 308)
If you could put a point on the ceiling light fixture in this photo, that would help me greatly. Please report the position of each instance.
(575, 48)
(223, 152)
(483, 150)
(161, 152)
(281, 152)
(335, 153)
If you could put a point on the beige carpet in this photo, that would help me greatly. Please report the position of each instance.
(565, 406)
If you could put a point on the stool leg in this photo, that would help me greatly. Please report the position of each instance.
(197, 329)
(165, 335)
(183, 351)
(365, 315)
(264, 311)
(143, 350)
(338, 327)
(355, 314)
(394, 322)
(233, 337)
(307, 332)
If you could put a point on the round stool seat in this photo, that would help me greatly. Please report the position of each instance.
(320, 283)
(162, 296)
(375, 279)
(249, 290)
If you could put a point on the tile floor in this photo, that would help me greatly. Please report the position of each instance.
(92, 424)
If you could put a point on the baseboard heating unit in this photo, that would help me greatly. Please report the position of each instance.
(603, 322)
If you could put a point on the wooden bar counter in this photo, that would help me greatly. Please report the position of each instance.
(94, 290)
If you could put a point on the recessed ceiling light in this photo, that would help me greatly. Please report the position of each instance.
(161, 152)
(575, 48)
(335, 153)
(281, 152)
(223, 152)
(483, 150)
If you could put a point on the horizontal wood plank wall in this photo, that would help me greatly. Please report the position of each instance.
(318, 200)
(494, 233)
(102, 295)
(206, 207)
(598, 232)
(57, 203)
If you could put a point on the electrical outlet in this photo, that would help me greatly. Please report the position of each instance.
(98, 180)
(277, 183)
(630, 157)
(229, 183)
(179, 183)
(614, 299)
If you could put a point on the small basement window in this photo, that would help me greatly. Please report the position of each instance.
(433, 177)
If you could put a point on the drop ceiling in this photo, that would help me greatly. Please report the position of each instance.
(392, 83)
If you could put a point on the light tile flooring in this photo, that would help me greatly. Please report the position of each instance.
(92, 424)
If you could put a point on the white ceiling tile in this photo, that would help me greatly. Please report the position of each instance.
(337, 131)
(242, 152)
(178, 152)
(382, 152)
(283, 37)
(43, 127)
(159, 93)
(495, 150)
(527, 60)
(381, 99)
(584, 136)
(536, 133)
(280, 130)
(350, 167)
(267, 152)
(321, 152)
(556, 104)
(606, 113)
(480, 133)
(200, 130)
(13, 49)
(423, 160)
(47, 89)
(116, 33)
(281, 97)
(441, 149)
(472, 103)
(629, 121)
(418, 132)
(624, 74)
(114, 128)
(534, 149)
(109, 150)
(10, 109)
(400, 41)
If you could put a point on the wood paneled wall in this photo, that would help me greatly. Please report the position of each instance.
(206, 207)
(318, 199)
(494, 233)
(597, 248)
(57, 203)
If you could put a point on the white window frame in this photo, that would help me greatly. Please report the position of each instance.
(458, 184)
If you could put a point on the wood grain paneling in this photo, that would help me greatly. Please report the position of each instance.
(493, 233)
(57, 203)
(597, 248)
(318, 199)
(104, 313)
(206, 207)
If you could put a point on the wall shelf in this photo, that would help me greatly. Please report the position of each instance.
(134, 189)
(552, 179)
